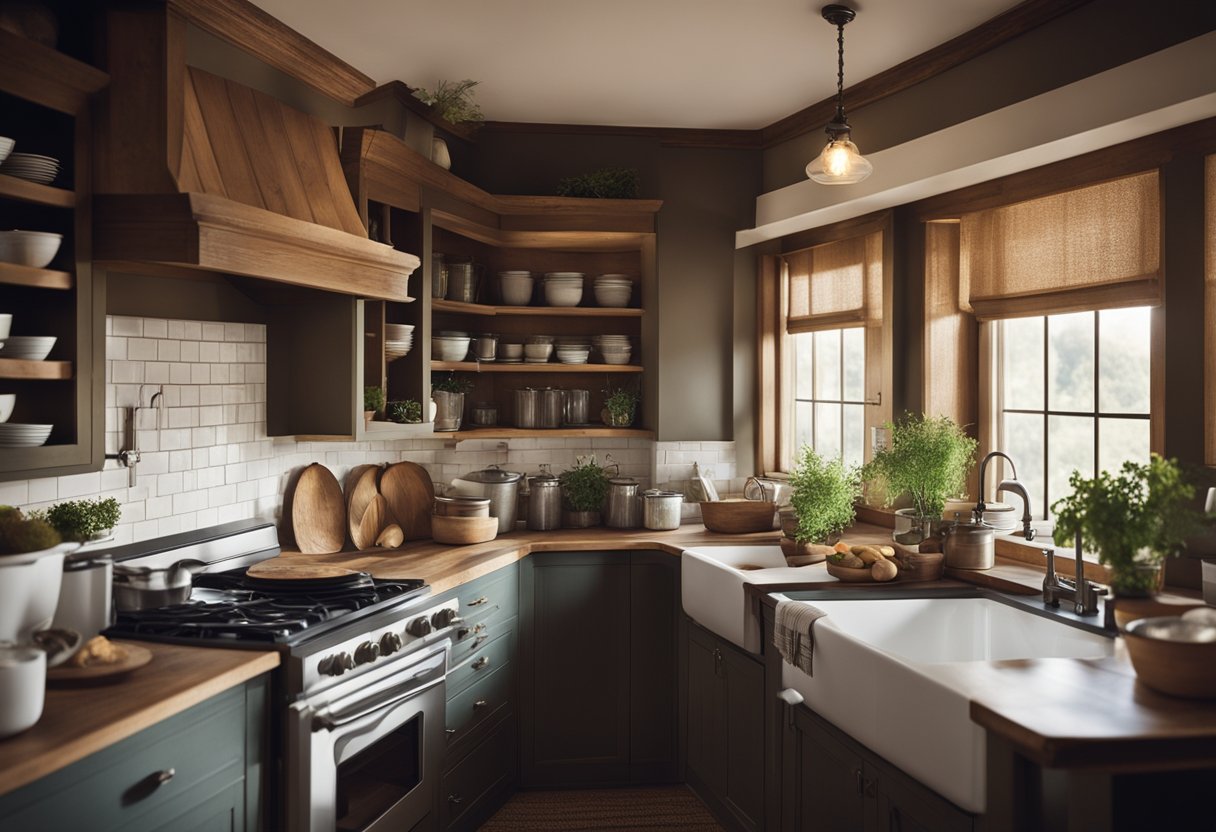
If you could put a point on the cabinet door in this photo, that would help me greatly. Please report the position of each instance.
(904, 805)
(830, 781)
(743, 678)
(654, 608)
(575, 665)
(706, 711)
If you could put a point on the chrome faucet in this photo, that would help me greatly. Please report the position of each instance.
(1010, 484)
(1082, 593)
(1017, 488)
(977, 513)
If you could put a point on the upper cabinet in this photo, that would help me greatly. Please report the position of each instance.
(466, 238)
(50, 295)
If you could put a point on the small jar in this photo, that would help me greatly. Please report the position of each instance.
(485, 414)
(661, 510)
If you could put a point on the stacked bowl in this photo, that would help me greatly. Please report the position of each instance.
(563, 288)
(515, 288)
(613, 290)
(6, 147)
(35, 249)
(537, 349)
(614, 349)
(23, 436)
(573, 350)
(398, 340)
(28, 347)
(31, 167)
(450, 346)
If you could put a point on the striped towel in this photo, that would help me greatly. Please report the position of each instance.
(793, 633)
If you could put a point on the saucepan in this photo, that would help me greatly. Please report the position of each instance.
(147, 587)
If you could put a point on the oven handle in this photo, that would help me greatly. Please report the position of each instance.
(430, 674)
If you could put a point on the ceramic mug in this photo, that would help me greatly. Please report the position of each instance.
(22, 688)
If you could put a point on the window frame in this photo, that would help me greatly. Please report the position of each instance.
(841, 402)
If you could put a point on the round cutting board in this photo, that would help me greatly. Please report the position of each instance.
(309, 572)
(409, 495)
(318, 512)
(365, 508)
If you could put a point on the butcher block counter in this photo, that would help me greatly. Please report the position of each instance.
(79, 721)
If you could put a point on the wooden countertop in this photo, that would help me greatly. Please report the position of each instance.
(79, 721)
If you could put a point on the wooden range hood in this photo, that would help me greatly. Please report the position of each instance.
(195, 173)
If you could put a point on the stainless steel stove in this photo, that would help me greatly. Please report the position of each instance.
(360, 694)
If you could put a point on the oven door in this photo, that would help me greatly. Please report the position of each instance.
(367, 756)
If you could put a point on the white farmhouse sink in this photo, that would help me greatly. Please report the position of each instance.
(893, 673)
(711, 586)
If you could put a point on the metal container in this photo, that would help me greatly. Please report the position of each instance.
(969, 545)
(146, 587)
(484, 414)
(502, 489)
(485, 347)
(459, 506)
(85, 595)
(621, 509)
(439, 276)
(772, 491)
(661, 510)
(578, 407)
(527, 408)
(462, 282)
(544, 503)
(552, 408)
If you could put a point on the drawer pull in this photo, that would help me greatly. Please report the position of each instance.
(479, 704)
(455, 799)
(480, 663)
(482, 600)
(164, 776)
(449, 731)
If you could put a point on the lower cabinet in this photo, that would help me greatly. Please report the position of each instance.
(831, 782)
(198, 770)
(599, 665)
(726, 728)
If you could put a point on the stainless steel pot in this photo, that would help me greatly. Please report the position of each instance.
(462, 282)
(552, 408)
(661, 510)
(502, 489)
(969, 545)
(145, 587)
(578, 407)
(85, 595)
(439, 276)
(458, 506)
(621, 508)
(544, 503)
(527, 408)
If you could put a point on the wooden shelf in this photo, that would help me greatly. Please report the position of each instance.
(572, 240)
(17, 368)
(551, 367)
(440, 305)
(15, 275)
(26, 191)
(596, 432)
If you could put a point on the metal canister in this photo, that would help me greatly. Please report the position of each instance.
(502, 489)
(661, 510)
(969, 545)
(544, 503)
(439, 275)
(578, 407)
(462, 282)
(552, 408)
(527, 408)
(621, 509)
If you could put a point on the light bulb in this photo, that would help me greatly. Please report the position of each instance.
(840, 163)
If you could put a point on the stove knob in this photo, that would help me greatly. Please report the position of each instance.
(444, 618)
(390, 643)
(366, 652)
(419, 627)
(336, 664)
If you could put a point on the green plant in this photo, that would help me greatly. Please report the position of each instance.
(927, 458)
(823, 494)
(80, 520)
(451, 383)
(585, 486)
(1133, 520)
(408, 412)
(373, 398)
(453, 100)
(622, 405)
(19, 534)
(605, 183)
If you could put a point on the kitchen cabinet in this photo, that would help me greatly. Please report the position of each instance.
(408, 201)
(201, 769)
(599, 683)
(726, 728)
(45, 108)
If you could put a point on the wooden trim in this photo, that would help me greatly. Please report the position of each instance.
(551, 367)
(22, 369)
(705, 139)
(403, 94)
(271, 41)
(26, 191)
(16, 275)
(455, 306)
(834, 233)
(546, 433)
(46, 76)
(829, 320)
(768, 362)
(987, 36)
(1139, 291)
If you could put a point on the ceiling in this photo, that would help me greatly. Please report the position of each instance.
(714, 64)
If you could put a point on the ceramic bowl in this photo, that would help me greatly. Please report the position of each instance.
(563, 295)
(6, 324)
(1174, 656)
(35, 249)
(538, 351)
(28, 347)
(516, 291)
(7, 402)
(6, 147)
(511, 350)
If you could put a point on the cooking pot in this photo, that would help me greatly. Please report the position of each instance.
(622, 507)
(969, 545)
(147, 587)
(661, 510)
(85, 594)
(502, 489)
(544, 502)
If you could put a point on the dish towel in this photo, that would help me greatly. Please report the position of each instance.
(793, 633)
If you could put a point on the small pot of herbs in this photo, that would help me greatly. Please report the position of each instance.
(82, 520)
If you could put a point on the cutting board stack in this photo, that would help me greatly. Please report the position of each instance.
(384, 506)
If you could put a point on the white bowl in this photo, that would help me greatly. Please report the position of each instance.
(7, 402)
(616, 359)
(14, 435)
(29, 591)
(28, 347)
(6, 147)
(515, 273)
(516, 292)
(6, 323)
(568, 275)
(29, 248)
(22, 688)
(511, 350)
(612, 299)
(538, 351)
(563, 295)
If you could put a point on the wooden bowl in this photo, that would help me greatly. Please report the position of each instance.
(463, 531)
(803, 554)
(738, 516)
(1170, 660)
(851, 574)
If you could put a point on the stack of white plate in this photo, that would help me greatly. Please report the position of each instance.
(1002, 517)
(23, 436)
(613, 290)
(449, 347)
(28, 347)
(6, 147)
(32, 167)
(573, 355)
(563, 288)
(35, 249)
(398, 340)
(515, 287)
(614, 349)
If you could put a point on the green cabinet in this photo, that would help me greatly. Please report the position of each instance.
(198, 770)
(726, 728)
(599, 672)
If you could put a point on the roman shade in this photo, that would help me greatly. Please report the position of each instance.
(1090, 248)
(835, 285)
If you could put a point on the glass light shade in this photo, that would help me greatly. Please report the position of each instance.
(840, 163)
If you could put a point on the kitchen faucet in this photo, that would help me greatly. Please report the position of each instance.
(1082, 593)
(1010, 484)
(1017, 488)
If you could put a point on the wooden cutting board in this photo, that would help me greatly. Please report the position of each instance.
(318, 512)
(268, 571)
(410, 497)
(366, 511)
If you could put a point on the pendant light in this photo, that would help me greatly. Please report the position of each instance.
(840, 163)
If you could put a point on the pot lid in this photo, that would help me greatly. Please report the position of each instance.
(654, 492)
(491, 475)
(463, 500)
(622, 481)
(544, 479)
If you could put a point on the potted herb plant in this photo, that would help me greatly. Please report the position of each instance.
(80, 521)
(620, 407)
(373, 402)
(407, 412)
(927, 459)
(453, 102)
(447, 392)
(584, 488)
(1132, 519)
(822, 495)
(605, 183)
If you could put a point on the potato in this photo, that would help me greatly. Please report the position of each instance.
(853, 562)
(886, 551)
(868, 554)
(883, 570)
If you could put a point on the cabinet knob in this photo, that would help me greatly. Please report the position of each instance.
(164, 776)
(859, 781)
(455, 799)
(479, 704)
(449, 731)
(480, 663)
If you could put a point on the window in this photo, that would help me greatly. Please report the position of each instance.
(1073, 393)
(829, 369)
